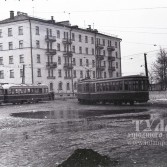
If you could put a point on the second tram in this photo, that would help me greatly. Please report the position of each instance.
(126, 89)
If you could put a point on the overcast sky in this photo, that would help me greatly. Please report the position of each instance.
(141, 24)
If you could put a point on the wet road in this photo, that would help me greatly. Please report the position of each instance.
(45, 134)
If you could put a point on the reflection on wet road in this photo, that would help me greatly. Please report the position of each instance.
(46, 134)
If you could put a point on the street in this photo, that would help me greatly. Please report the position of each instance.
(47, 133)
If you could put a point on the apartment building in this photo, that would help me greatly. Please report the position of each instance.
(35, 51)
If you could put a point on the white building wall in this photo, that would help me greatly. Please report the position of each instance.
(56, 79)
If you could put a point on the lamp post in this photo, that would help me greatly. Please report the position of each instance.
(145, 62)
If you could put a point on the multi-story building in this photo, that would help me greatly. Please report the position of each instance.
(35, 51)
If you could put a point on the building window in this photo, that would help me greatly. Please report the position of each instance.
(37, 44)
(116, 45)
(65, 35)
(87, 62)
(60, 86)
(86, 49)
(1, 74)
(117, 74)
(75, 74)
(116, 64)
(86, 39)
(80, 50)
(75, 85)
(92, 40)
(38, 58)
(80, 38)
(37, 30)
(104, 52)
(105, 75)
(116, 54)
(94, 74)
(20, 29)
(93, 51)
(51, 86)
(10, 59)
(59, 73)
(59, 60)
(81, 74)
(104, 64)
(0, 33)
(103, 42)
(74, 62)
(58, 34)
(38, 72)
(9, 32)
(21, 44)
(21, 72)
(1, 60)
(11, 73)
(80, 62)
(68, 86)
(58, 46)
(1, 46)
(21, 58)
(10, 45)
(50, 72)
(93, 63)
(73, 49)
(73, 36)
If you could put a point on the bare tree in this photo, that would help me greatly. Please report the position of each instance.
(160, 68)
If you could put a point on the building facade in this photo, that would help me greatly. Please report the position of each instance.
(34, 51)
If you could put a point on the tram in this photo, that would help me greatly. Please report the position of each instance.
(1, 95)
(23, 93)
(126, 89)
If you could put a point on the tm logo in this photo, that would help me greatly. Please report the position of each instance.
(156, 125)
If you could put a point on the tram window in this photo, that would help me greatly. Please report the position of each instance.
(104, 86)
(110, 86)
(40, 90)
(28, 90)
(1, 91)
(98, 87)
(113, 85)
(87, 87)
(126, 85)
(101, 87)
(107, 86)
(93, 87)
(120, 85)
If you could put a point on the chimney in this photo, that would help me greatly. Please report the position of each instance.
(11, 14)
(52, 18)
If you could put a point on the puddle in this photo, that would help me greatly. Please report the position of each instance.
(74, 114)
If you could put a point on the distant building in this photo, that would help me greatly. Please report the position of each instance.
(34, 50)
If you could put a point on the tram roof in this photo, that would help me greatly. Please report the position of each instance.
(7, 86)
(117, 78)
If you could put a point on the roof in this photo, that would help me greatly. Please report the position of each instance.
(24, 16)
(117, 78)
(7, 86)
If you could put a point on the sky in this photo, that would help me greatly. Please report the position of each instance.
(141, 24)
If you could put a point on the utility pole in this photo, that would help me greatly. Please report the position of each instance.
(23, 76)
(145, 61)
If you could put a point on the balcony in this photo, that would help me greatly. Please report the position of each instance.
(68, 65)
(111, 58)
(101, 68)
(111, 68)
(67, 41)
(49, 38)
(110, 48)
(100, 57)
(51, 77)
(51, 65)
(99, 46)
(67, 77)
(67, 53)
(51, 51)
